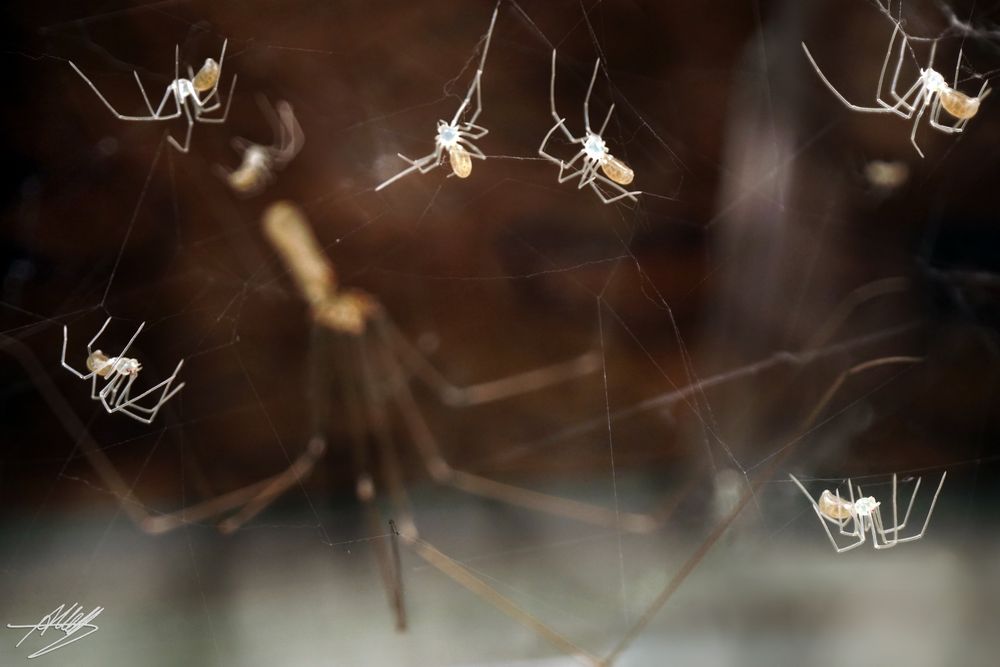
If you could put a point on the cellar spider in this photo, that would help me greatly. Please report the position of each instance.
(864, 515)
(929, 91)
(594, 150)
(119, 372)
(455, 139)
(193, 97)
(261, 162)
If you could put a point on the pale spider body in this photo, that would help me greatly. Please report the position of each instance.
(455, 138)
(857, 518)
(593, 154)
(119, 373)
(930, 93)
(107, 367)
(193, 97)
(260, 163)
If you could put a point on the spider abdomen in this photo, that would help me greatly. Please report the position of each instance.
(959, 104)
(206, 77)
(833, 506)
(461, 161)
(616, 170)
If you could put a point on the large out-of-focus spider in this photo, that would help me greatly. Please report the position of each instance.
(193, 97)
(929, 92)
(454, 139)
(855, 518)
(594, 151)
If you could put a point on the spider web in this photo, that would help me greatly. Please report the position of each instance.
(757, 271)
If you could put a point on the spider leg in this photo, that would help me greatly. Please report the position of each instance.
(849, 105)
(423, 165)
(477, 82)
(607, 118)
(115, 112)
(89, 352)
(199, 111)
(916, 124)
(478, 133)
(439, 468)
(624, 194)
(472, 149)
(187, 135)
(900, 101)
(552, 158)
(930, 511)
(552, 102)
(569, 165)
(413, 361)
(935, 116)
(586, 100)
(166, 395)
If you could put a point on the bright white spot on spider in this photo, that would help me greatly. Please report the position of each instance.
(447, 135)
(865, 506)
(595, 148)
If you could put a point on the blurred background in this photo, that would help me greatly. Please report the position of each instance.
(781, 243)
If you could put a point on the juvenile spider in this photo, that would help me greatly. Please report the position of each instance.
(261, 162)
(865, 516)
(455, 138)
(930, 90)
(594, 150)
(119, 372)
(194, 97)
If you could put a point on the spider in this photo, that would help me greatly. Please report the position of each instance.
(930, 90)
(865, 515)
(453, 138)
(119, 372)
(261, 162)
(194, 97)
(594, 150)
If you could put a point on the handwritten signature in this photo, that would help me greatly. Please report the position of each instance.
(67, 620)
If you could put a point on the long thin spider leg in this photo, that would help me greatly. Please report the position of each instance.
(900, 101)
(423, 165)
(607, 118)
(485, 392)
(436, 464)
(916, 124)
(225, 113)
(165, 396)
(371, 356)
(909, 508)
(552, 102)
(104, 326)
(586, 100)
(70, 368)
(545, 139)
(115, 112)
(187, 135)
(625, 194)
(836, 92)
(930, 511)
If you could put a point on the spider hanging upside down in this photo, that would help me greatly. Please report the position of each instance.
(118, 371)
(193, 97)
(929, 91)
(454, 139)
(865, 516)
(261, 162)
(594, 150)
